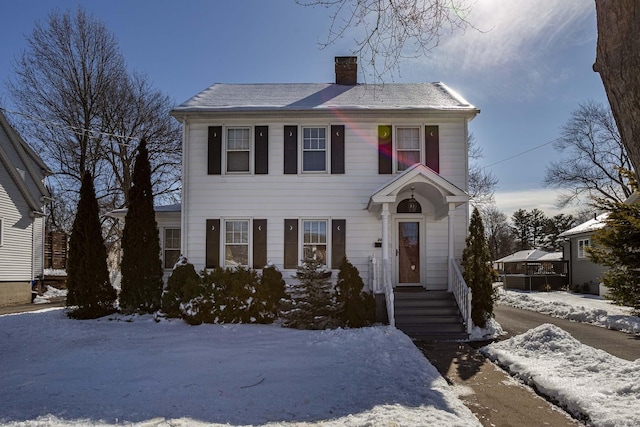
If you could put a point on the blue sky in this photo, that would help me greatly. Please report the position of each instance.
(527, 68)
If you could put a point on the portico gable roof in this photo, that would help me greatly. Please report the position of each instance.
(417, 173)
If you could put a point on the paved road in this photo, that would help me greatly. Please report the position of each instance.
(516, 321)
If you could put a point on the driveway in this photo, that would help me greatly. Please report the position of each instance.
(516, 321)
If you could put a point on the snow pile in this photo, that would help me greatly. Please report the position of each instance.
(577, 307)
(57, 371)
(492, 330)
(50, 294)
(590, 383)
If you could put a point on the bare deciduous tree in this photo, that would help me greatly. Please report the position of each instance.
(390, 30)
(595, 157)
(482, 183)
(85, 111)
(499, 236)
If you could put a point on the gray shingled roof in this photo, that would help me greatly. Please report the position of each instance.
(324, 96)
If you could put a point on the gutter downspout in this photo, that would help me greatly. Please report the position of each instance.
(184, 197)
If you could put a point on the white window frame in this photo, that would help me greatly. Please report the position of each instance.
(226, 150)
(327, 242)
(582, 245)
(327, 145)
(396, 157)
(248, 244)
(166, 248)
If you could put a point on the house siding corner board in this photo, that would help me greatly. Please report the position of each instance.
(339, 194)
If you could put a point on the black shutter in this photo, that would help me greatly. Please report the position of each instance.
(214, 165)
(290, 243)
(259, 243)
(262, 150)
(337, 149)
(212, 248)
(432, 147)
(385, 150)
(338, 242)
(290, 149)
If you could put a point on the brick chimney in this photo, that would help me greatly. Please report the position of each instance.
(346, 70)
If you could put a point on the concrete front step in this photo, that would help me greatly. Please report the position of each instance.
(428, 315)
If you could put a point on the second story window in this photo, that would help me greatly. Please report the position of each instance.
(238, 150)
(314, 149)
(407, 147)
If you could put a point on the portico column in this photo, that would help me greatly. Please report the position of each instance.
(451, 220)
(385, 232)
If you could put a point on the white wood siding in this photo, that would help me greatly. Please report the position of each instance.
(277, 196)
(17, 229)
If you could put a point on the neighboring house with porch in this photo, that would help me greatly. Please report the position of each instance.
(377, 173)
(23, 198)
(532, 270)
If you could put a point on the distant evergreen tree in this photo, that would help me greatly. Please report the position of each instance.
(476, 263)
(141, 266)
(90, 294)
(312, 304)
(355, 308)
(617, 245)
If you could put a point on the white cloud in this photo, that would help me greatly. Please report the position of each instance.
(544, 199)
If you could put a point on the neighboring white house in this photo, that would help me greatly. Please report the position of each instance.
(22, 209)
(376, 173)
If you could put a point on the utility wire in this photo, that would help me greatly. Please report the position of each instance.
(521, 153)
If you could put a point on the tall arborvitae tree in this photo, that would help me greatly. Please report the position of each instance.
(476, 262)
(90, 294)
(141, 266)
(355, 308)
(617, 245)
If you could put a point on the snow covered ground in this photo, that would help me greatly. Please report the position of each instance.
(590, 384)
(57, 371)
(577, 307)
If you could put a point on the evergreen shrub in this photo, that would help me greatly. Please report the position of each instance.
(355, 308)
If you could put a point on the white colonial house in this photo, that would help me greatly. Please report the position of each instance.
(376, 173)
(22, 209)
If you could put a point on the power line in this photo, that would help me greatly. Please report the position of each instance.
(521, 153)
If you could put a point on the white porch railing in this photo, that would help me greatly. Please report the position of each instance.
(461, 292)
(380, 282)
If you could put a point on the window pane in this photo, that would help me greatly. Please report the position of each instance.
(238, 161)
(318, 252)
(237, 139)
(314, 161)
(236, 255)
(236, 243)
(408, 139)
(170, 258)
(407, 159)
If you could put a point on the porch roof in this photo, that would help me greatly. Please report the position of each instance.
(417, 173)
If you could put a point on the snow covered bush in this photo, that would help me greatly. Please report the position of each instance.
(312, 303)
(355, 308)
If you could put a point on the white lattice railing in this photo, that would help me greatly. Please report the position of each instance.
(380, 282)
(461, 292)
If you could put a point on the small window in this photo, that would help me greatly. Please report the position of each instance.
(582, 248)
(407, 147)
(315, 240)
(314, 149)
(171, 247)
(236, 243)
(238, 150)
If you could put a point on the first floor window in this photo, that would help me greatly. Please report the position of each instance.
(583, 244)
(407, 147)
(314, 150)
(315, 240)
(171, 247)
(238, 150)
(236, 243)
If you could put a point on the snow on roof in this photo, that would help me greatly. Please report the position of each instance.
(591, 225)
(552, 256)
(522, 256)
(324, 96)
